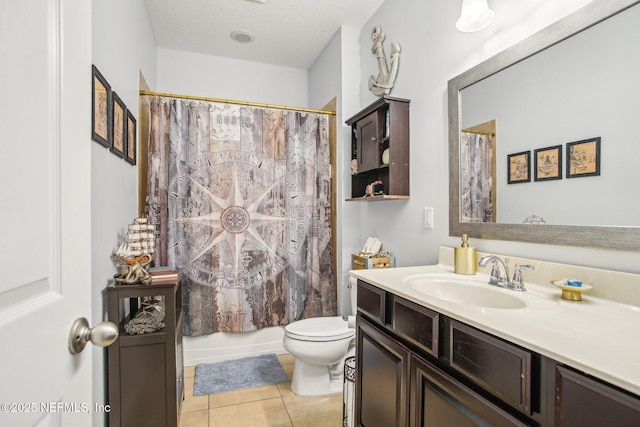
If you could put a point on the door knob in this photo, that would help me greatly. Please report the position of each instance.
(102, 335)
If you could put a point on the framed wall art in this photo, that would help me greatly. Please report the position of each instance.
(519, 167)
(130, 155)
(119, 128)
(547, 163)
(100, 108)
(583, 158)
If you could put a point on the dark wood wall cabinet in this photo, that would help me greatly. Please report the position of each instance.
(145, 371)
(380, 149)
(418, 367)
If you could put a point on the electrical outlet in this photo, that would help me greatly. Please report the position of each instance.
(428, 217)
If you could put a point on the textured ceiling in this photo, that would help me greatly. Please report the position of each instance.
(290, 33)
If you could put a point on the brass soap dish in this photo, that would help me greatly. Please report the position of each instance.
(571, 293)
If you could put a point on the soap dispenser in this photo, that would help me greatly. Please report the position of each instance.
(465, 259)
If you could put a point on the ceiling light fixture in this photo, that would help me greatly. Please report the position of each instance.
(242, 36)
(259, 1)
(474, 16)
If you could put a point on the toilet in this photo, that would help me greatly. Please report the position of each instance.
(320, 346)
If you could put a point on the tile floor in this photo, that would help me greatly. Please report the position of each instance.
(272, 406)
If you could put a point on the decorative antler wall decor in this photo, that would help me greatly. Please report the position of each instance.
(387, 75)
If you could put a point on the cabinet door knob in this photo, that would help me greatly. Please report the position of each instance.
(373, 138)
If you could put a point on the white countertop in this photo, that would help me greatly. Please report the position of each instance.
(597, 336)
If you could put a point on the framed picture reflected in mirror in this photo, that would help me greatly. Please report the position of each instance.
(519, 167)
(548, 163)
(583, 158)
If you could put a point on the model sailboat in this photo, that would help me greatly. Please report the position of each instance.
(136, 252)
(139, 243)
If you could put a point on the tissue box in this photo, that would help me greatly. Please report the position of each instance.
(360, 262)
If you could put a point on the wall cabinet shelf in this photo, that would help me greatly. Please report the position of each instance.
(380, 149)
(145, 371)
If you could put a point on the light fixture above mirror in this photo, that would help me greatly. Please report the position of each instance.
(475, 15)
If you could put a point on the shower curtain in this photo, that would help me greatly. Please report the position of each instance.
(240, 197)
(477, 189)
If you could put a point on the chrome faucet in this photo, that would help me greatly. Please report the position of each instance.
(500, 277)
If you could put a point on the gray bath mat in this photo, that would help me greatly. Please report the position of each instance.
(238, 374)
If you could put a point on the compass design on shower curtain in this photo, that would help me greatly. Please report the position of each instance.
(241, 200)
(246, 228)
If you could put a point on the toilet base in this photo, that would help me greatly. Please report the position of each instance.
(315, 380)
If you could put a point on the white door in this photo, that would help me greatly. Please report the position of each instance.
(45, 258)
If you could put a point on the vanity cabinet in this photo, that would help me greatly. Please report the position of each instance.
(145, 372)
(399, 381)
(380, 149)
(418, 367)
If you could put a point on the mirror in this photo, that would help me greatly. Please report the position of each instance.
(560, 86)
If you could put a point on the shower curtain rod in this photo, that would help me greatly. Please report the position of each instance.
(230, 101)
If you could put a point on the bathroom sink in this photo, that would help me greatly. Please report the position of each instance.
(463, 292)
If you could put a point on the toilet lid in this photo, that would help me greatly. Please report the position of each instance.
(319, 329)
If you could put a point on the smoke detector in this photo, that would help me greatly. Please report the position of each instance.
(242, 36)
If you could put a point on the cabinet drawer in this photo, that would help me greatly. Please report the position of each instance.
(417, 324)
(581, 400)
(500, 367)
(371, 301)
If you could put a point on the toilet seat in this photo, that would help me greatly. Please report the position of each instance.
(319, 329)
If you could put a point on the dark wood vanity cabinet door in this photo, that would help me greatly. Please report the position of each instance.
(382, 378)
(417, 324)
(371, 301)
(582, 401)
(500, 367)
(438, 400)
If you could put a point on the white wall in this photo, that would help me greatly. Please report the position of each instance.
(433, 52)
(350, 236)
(325, 83)
(123, 44)
(194, 74)
(340, 58)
